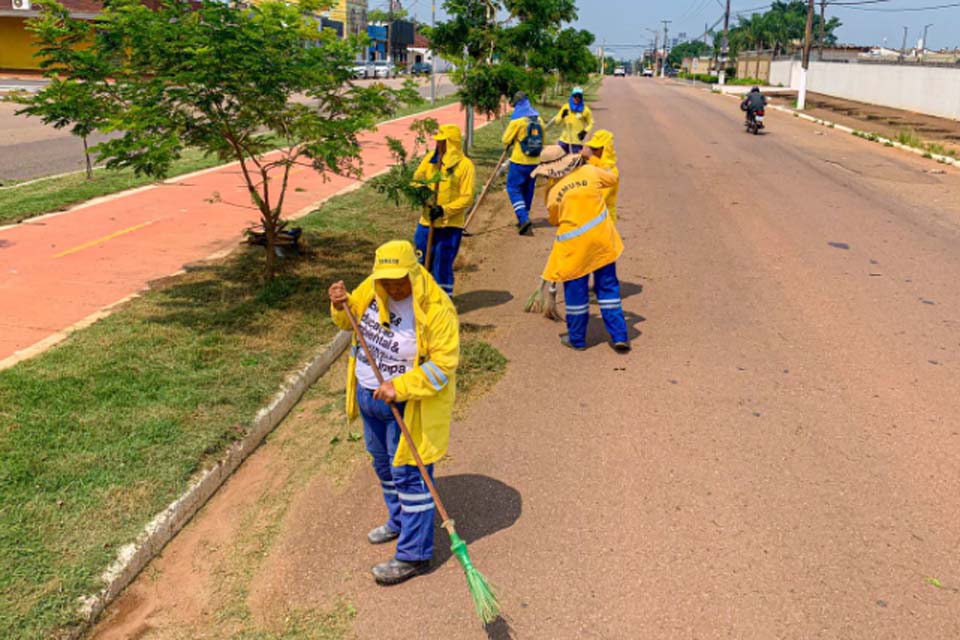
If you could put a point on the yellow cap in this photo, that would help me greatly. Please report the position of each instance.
(395, 259)
(600, 139)
(449, 132)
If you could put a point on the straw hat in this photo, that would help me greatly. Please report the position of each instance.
(556, 163)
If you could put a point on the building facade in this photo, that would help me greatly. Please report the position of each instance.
(17, 44)
(353, 15)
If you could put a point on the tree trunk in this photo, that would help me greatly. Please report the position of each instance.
(270, 230)
(86, 155)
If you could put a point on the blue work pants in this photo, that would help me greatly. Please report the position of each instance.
(576, 294)
(446, 244)
(521, 186)
(409, 503)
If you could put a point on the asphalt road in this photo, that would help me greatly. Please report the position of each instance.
(30, 149)
(777, 458)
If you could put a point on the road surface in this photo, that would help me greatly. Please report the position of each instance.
(777, 458)
(30, 149)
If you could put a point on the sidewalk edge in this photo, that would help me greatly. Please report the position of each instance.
(132, 558)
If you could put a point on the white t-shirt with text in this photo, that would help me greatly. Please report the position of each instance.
(394, 347)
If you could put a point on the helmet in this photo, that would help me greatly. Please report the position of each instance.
(755, 90)
(577, 91)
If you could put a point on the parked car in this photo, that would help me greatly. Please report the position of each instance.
(620, 71)
(362, 70)
(383, 69)
(647, 72)
(670, 72)
(421, 67)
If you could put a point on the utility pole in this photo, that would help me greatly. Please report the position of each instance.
(389, 33)
(433, 57)
(923, 49)
(823, 21)
(903, 49)
(666, 27)
(724, 46)
(807, 41)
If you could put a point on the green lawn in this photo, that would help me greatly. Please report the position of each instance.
(100, 433)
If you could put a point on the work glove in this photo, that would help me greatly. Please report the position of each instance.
(436, 212)
(582, 135)
(565, 112)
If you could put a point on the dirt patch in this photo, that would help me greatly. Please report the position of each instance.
(887, 122)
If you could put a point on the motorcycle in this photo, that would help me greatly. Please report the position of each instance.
(754, 121)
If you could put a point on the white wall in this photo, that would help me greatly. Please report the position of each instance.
(930, 90)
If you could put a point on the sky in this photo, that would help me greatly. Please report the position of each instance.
(626, 22)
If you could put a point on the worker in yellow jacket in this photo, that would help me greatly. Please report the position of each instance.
(454, 196)
(412, 330)
(576, 118)
(601, 153)
(525, 133)
(587, 243)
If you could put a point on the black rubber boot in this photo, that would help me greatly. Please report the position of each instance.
(395, 571)
(382, 535)
(526, 229)
(622, 347)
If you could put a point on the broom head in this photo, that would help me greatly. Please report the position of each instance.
(484, 599)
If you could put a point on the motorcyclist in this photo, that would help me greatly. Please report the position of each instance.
(753, 102)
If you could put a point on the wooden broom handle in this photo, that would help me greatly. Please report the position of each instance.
(444, 518)
(486, 188)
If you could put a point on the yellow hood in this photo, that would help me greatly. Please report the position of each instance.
(604, 139)
(393, 260)
(451, 133)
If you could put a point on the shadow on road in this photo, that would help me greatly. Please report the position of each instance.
(483, 299)
(499, 629)
(481, 506)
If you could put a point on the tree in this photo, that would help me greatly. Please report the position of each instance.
(781, 28)
(379, 15)
(223, 79)
(693, 49)
(495, 60)
(77, 93)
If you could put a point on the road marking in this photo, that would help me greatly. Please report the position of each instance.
(94, 243)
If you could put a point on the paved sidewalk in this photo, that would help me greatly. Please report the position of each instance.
(57, 270)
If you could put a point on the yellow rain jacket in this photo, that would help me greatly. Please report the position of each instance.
(430, 388)
(573, 124)
(603, 139)
(517, 131)
(586, 236)
(455, 190)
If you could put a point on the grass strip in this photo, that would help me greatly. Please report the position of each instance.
(101, 432)
(17, 203)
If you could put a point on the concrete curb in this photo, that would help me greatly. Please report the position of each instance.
(855, 132)
(133, 557)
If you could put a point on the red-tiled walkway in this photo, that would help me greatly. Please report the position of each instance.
(58, 270)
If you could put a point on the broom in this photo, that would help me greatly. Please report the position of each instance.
(484, 599)
(486, 188)
(544, 300)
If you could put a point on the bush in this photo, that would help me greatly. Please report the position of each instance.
(700, 77)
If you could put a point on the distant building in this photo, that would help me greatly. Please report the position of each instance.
(352, 14)
(16, 43)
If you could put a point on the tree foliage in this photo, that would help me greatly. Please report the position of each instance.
(398, 184)
(693, 49)
(781, 29)
(237, 82)
(497, 59)
(77, 94)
